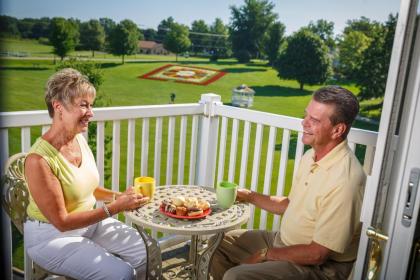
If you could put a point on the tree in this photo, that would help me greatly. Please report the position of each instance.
(92, 36)
(124, 39)
(273, 40)
(177, 40)
(64, 36)
(9, 26)
(373, 72)
(364, 25)
(149, 34)
(25, 27)
(325, 30)
(76, 25)
(219, 41)
(305, 59)
(90, 69)
(108, 25)
(41, 28)
(163, 28)
(199, 41)
(248, 26)
(350, 52)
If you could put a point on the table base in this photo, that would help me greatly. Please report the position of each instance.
(154, 255)
(196, 268)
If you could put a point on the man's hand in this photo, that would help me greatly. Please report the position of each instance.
(258, 257)
(243, 195)
(272, 204)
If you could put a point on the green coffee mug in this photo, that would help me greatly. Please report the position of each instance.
(226, 194)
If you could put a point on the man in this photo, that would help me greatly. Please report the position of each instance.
(320, 228)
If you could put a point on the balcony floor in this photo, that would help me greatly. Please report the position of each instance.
(171, 257)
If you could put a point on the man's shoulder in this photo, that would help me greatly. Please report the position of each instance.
(349, 173)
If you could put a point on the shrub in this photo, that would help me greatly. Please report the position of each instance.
(243, 56)
(44, 41)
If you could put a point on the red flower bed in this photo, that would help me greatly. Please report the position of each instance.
(184, 74)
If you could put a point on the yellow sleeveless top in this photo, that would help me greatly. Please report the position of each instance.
(77, 183)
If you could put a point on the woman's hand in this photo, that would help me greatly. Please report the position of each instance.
(128, 200)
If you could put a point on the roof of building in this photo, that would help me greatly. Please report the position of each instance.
(149, 44)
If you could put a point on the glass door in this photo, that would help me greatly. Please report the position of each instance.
(391, 202)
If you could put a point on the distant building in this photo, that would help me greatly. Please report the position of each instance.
(151, 47)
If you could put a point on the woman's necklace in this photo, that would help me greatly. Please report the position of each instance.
(72, 153)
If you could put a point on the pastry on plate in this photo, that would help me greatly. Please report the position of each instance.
(191, 202)
(195, 211)
(181, 211)
(203, 204)
(178, 201)
(170, 208)
(166, 201)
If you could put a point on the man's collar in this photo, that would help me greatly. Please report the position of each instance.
(331, 158)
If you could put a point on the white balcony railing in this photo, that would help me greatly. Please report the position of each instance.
(202, 143)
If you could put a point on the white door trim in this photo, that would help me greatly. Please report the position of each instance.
(387, 117)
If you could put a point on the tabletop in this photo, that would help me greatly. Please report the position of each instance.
(149, 216)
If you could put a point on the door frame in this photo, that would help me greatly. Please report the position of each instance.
(378, 182)
(397, 250)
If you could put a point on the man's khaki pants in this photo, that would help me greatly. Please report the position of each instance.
(240, 244)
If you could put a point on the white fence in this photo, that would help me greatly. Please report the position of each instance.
(188, 144)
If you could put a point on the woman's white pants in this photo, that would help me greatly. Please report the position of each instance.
(106, 250)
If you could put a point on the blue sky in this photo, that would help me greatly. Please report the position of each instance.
(148, 13)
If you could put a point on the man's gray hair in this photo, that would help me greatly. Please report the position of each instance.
(345, 103)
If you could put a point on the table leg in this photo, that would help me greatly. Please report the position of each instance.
(193, 250)
(154, 256)
(202, 266)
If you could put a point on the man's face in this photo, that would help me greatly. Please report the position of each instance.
(318, 131)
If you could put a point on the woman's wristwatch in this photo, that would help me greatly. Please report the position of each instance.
(263, 254)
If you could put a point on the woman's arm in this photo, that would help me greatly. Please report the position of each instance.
(106, 195)
(47, 193)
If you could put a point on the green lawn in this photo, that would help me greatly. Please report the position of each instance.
(23, 84)
(34, 49)
(24, 45)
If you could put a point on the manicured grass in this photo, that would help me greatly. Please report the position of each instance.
(23, 85)
(33, 48)
(24, 45)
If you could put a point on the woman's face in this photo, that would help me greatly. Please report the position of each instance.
(76, 116)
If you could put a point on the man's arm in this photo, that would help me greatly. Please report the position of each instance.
(311, 254)
(272, 204)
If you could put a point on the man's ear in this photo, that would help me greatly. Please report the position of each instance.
(339, 130)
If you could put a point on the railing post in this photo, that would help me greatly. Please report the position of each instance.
(207, 140)
(6, 236)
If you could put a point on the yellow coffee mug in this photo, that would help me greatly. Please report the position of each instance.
(145, 186)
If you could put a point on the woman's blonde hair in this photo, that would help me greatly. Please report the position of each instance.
(65, 86)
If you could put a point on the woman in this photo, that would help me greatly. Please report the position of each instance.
(64, 233)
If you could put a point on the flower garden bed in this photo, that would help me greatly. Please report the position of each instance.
(184, 74)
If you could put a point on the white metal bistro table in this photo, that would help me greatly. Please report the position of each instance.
(217, 222)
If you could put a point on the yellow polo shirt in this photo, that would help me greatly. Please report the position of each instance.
(325, 203)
